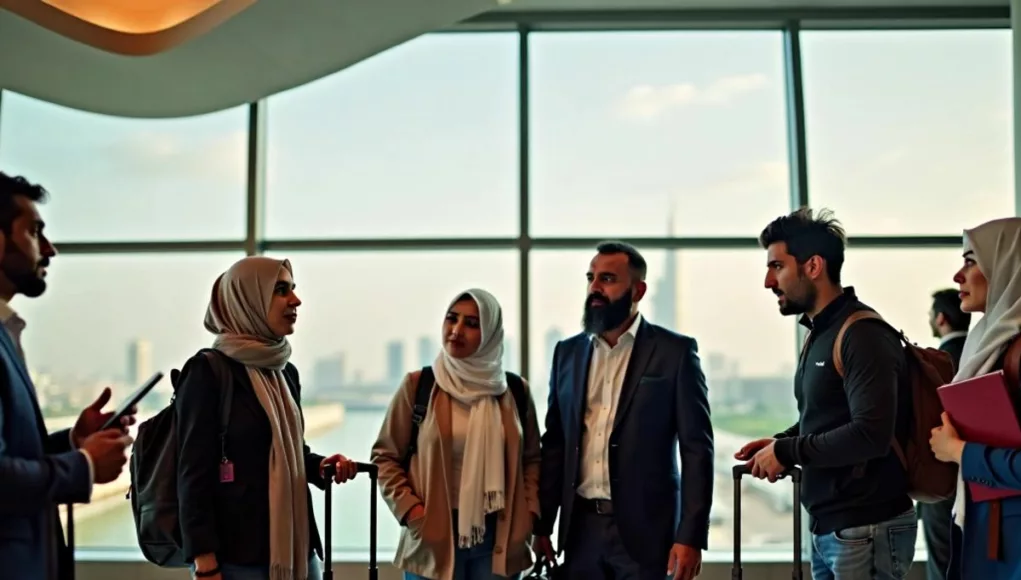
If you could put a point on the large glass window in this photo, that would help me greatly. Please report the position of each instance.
(113, 320)
(909, 132)
(418, 141)
(746, 347)
(367, 319)
(114, 179)
(899, 284)
(628, 127)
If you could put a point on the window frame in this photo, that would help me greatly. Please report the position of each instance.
(790, 22)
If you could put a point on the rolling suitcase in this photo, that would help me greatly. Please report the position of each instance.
(737, 573)
(329, 473)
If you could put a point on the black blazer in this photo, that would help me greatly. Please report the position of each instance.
(229, 519)
(662, 416)
(38, 471)
(954, 346)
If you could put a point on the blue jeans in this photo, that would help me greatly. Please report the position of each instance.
(474, 563)
(235, 572)
(882, 551)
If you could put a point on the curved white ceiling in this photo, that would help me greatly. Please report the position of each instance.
(231, 52)
(267, 47)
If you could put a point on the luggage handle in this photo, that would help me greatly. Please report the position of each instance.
(329, 472)
(740, 470)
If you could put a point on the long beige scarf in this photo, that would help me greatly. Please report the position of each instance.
(237, 316)
(477, 381)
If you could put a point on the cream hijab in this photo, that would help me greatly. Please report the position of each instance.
(997, 251)
(237, 315)
(477, 381)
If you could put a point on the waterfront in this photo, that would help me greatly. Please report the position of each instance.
(765, 520)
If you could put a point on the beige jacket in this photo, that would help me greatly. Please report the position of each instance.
(426, 547)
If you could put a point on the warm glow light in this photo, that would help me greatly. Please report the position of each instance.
(134, 16)
(135, 27)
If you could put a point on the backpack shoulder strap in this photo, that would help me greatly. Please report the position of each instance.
(423, 391)
(838, 358)
(225, 376)
(517, 389)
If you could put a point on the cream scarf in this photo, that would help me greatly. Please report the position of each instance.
(237, 316)
(478, 381)
(997, 251)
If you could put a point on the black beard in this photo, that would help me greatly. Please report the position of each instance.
(611, 314)
(800, 304)
(23, 275)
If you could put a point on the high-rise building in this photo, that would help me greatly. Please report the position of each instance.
(139, 362)
(427, 351)
(665, 293)
(395, 361)
(328, 373)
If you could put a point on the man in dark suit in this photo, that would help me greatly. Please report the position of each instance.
(39, 470)
(624, 396)
(950, 325)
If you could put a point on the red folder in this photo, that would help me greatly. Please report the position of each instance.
(982, 410)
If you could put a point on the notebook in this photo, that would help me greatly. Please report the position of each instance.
(982, 410)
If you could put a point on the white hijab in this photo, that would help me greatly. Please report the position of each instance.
(237, 315)
(997, 251)
(477, 381)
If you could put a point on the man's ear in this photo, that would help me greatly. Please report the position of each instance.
(640, 288)
(815, 267)
(940, 319)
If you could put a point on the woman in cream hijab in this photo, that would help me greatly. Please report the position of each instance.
(990, 282)
(468, 496)
(245, 506)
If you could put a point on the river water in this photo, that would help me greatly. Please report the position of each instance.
(354, 437)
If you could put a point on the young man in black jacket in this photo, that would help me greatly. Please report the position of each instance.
(862, 520)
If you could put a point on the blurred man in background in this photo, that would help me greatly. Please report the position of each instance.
(950, 325)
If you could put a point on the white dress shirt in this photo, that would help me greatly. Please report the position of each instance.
(605, 379)
(952, 335)
(15, 326)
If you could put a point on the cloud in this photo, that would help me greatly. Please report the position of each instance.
(218, 157)
(753, 179)
(648, 101)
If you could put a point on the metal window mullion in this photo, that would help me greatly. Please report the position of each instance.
(524, 211)
(797, 155)
(255, 187)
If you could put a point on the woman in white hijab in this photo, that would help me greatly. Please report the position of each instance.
(990, 282)
(465, 488)
(245, 506)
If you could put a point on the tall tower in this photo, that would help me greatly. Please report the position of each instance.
(666, 295)
(394, 361)
(139, 361)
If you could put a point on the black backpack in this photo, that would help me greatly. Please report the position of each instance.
(153, 469)
(424, 390)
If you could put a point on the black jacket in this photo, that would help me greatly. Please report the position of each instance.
(954, 347)
(229, 519)
(851, 475)
(661, 445)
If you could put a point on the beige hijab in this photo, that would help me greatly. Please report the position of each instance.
(997, 251)
(478, 380)
(237, 316)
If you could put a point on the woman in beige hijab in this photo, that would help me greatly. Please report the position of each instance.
(245, 506)
(990, 282)
(467, 498)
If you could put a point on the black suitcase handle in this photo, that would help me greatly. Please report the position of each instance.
(741, 470)
(329, 471)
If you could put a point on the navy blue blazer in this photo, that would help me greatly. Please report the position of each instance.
(38, 471)
(662, 415)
